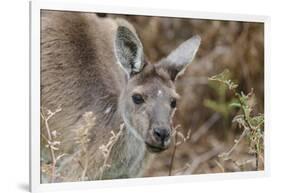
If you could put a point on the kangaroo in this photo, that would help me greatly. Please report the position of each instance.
(92, 64)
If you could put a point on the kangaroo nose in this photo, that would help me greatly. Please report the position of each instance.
(161, 134)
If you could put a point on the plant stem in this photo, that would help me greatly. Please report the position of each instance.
(173, 154)
(50, 141)
(257, 158)
(53, 156)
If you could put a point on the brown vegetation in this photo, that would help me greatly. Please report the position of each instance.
(211, 137)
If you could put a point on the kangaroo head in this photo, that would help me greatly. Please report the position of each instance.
(148, 100)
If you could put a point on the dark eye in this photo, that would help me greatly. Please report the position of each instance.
(137, 98)
(173, 103)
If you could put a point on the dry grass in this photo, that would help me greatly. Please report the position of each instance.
(82, 139)
(106, 149)
(81, 156)
(51, 143)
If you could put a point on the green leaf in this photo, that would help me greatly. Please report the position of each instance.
(257, 121)
(235, 104)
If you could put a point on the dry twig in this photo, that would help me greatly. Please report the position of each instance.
(205, 127)
(201, 159)
(177, 143)
(106, 149)
(226, 155)
(51, 144)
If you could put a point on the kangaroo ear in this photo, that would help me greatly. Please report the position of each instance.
(129, 51)
(177, 61)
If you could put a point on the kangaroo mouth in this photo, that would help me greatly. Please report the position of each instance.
(154, 149)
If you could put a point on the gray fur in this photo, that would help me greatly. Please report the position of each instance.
(80, 73)
(182, 56)
(129, 50)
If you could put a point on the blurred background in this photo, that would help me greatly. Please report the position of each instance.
(204, 112)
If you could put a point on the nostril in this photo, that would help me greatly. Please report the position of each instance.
(158, 133)
(161, 134)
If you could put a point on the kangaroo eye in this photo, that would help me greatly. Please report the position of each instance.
(137, 98)
(173, 103)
